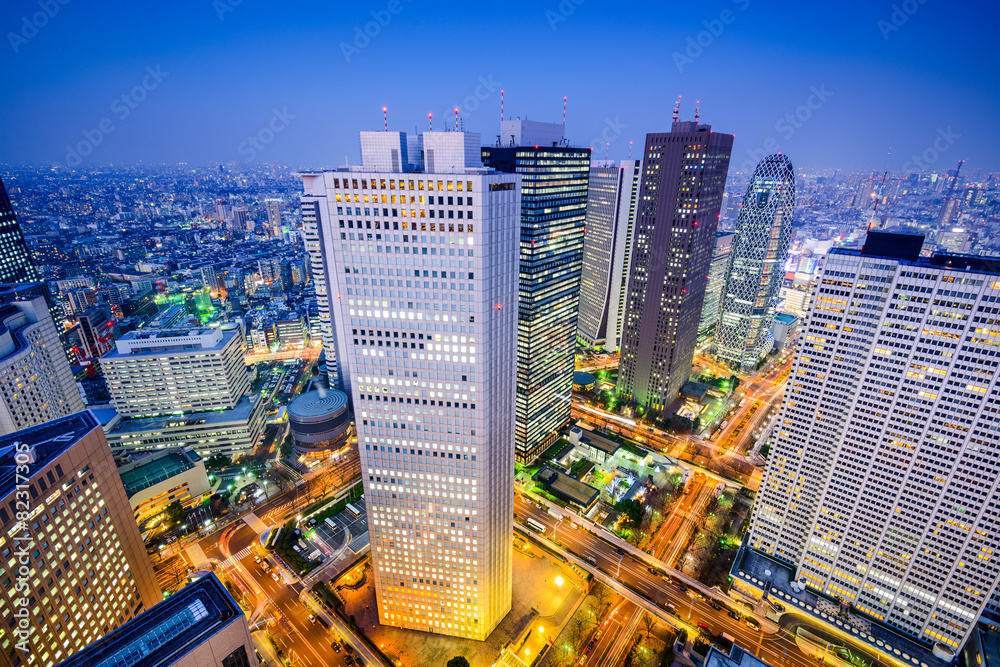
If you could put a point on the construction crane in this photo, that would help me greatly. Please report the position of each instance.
(949, 204)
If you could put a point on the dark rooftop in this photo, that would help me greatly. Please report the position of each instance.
(49, 441)
(570, 488)
(166, 633)
(900, 246)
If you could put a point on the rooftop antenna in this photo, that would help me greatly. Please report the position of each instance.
(697, 115)
(456, 119)
(677, 108)
(564, 114)
(630, 150)
(607, 145)
(385, 117)
(430, 121)
(501, 105)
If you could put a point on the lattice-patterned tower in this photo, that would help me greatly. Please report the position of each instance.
(756, 266)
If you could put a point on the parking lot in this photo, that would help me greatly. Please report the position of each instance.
(346, 527)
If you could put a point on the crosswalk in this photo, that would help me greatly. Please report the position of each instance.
(238, 556)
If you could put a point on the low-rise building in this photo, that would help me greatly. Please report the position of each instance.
(174, 474)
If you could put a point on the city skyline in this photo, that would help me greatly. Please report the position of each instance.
(869, 64)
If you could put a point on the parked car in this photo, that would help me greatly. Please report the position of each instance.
(753, 624)
(591, 560)
(312, 618)
(733, 614)
(274, 575)
(682, 587)
(348, 660)
(653, 571)
(714, 605)
(669, 607)
(256, 559)
(336, 647)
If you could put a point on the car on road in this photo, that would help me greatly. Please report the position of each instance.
(336, 647)
(700, 596)
(702, 626)
(256, 559)
(682, 587)
(619, 551)
(714, 605)
(733, 614)
(753, 624)
(538, 505)
(591, 560)
(653, 571)
(348, 660)
(312, 618)
(669, 607)
(274, 576)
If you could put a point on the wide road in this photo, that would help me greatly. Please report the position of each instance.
(308, 642)
(689, 610)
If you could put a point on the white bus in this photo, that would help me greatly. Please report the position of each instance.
(535, 526)
(353, 510)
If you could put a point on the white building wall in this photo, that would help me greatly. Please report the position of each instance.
(882, 485)
(417, 353)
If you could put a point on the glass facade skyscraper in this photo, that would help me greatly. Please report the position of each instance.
(683, 177)
(15, 259)
(554, 181)
(756, 265)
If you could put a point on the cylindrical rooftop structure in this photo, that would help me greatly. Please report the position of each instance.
(320, 422)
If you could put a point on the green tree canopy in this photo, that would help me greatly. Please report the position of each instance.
(458, 661)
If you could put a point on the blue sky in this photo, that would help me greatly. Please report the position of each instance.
(830, 84)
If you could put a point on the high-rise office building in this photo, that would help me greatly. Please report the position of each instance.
(553, 214)
(716, 283)
(200, 625)
(756, 265)
(684, 175)
(425, 320)
(174, 371)
(16, 265)
(83, 567)
(611, 201)
(881, 486)
(36, 384)
(273, 207)
(97, 330)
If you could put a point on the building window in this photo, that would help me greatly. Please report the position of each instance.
(238, 658)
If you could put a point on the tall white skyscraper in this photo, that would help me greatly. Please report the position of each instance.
(881, 487)
(611, 199)
(423, 270)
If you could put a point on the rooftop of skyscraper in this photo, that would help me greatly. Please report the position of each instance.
(164, 634)
(906, 249)
(40, 444)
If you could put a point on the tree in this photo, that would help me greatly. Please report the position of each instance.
(631, 509)
(648, 622)
(458, 661)
(174, 513)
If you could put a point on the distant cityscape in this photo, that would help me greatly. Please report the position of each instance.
(501, 404)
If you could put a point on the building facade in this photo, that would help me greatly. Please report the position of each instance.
(554, 179)
(684, 175)
(36, 382)
(88, 572)
(174, 474)
(716, 283)
(173, 371)
(425, 323)
(756, 265)
(16, 265)
(199, 626)
(611, 200)
(881, 486)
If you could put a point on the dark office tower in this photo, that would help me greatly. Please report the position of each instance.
(15, 260)
(684, 175)
(553, 212)
(756, 265)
